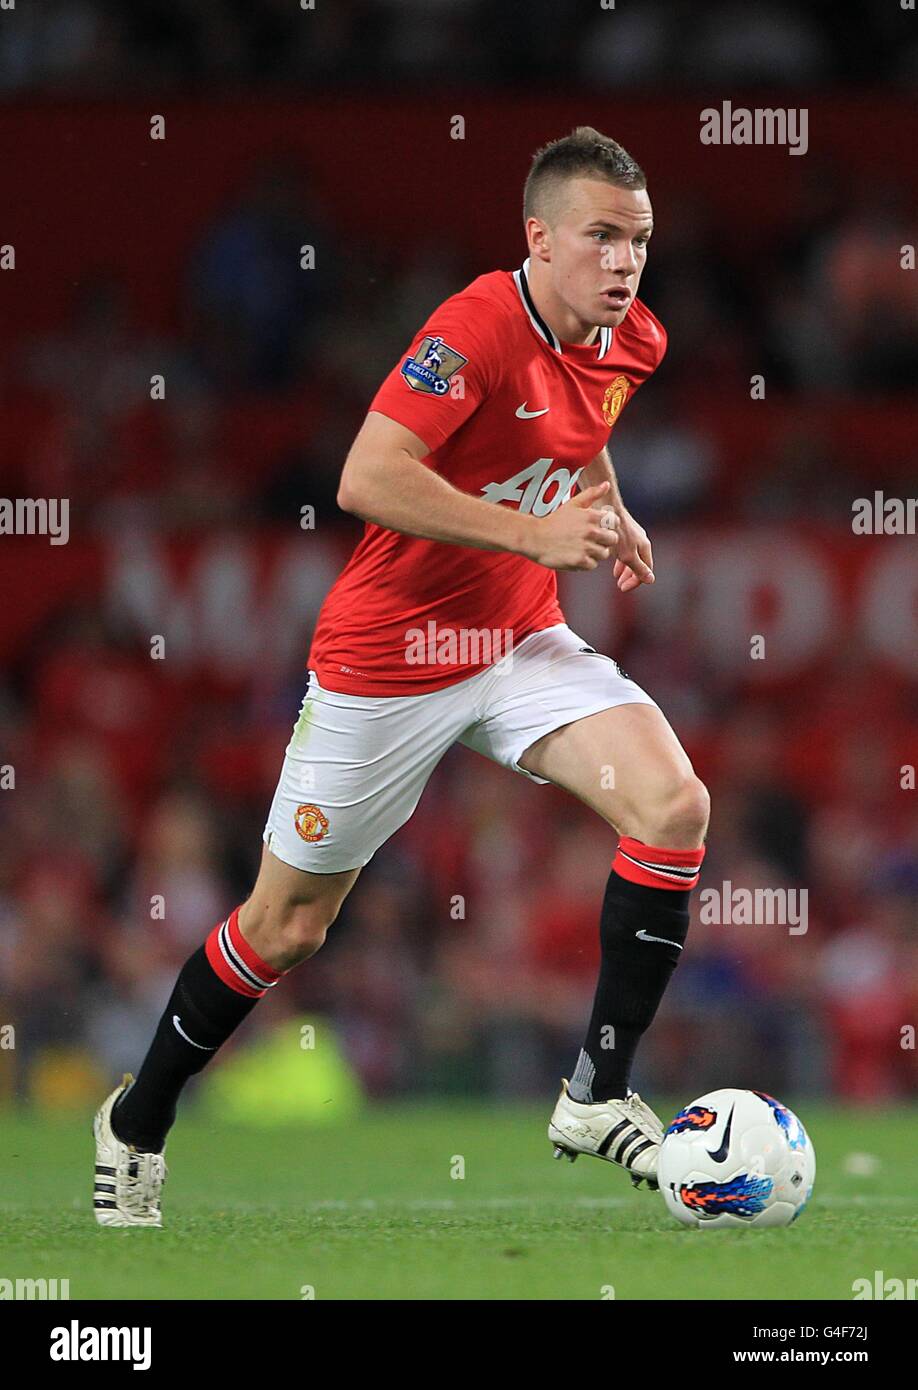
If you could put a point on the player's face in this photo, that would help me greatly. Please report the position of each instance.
(597, 247)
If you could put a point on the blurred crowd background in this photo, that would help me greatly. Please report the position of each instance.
(465, 959)
(91, 45)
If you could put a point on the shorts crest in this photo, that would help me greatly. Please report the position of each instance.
(311, 823)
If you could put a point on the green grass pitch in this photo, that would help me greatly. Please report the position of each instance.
(369, 1210)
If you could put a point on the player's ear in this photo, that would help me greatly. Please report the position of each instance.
(538, 236)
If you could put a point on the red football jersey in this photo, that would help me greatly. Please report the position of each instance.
(511, 414)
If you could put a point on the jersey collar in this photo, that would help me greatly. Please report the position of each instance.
(521, 280)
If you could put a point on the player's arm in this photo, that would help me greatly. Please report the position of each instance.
(601, 470)
(385, 481)
(633, 554)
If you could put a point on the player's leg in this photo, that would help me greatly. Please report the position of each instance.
(660, 809)
(283, 922)
(287, 914)
(567, 715)
(353, 773)
(627, 764)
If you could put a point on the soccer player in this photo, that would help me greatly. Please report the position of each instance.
(480, 470)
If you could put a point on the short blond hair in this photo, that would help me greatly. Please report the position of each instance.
(585, 153)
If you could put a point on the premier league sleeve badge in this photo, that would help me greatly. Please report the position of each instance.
(431, 367)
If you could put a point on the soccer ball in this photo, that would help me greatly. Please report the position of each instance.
(736, 1158)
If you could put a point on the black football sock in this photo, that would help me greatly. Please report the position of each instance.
(216, 989)
(645, 917)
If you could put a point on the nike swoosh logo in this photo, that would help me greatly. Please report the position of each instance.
(645, 936)
(720, 1154)
(178, 1025)
(524, 414)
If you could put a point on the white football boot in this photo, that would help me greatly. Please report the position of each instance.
(128, 1184)
(626, 1132)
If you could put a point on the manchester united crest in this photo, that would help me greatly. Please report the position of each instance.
(614, 399)
(311, 823)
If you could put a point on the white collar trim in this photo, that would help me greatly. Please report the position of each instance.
(521, 280)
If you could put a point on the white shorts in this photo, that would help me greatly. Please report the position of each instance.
(356, 765)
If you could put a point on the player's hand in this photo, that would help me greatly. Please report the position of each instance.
(576, 536)
(633, 555)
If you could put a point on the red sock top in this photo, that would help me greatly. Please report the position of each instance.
(676, 869)
(237, 965)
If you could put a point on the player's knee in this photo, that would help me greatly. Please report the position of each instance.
(302, 929)
(290, 931)
(680, 819)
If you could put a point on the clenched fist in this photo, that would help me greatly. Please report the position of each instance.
(575, 536)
